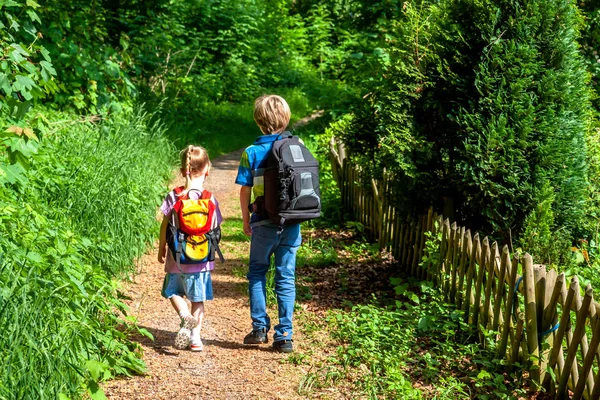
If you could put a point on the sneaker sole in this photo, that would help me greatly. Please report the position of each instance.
(196, 347)
(255, 343)
(182, 340)
(284, 350)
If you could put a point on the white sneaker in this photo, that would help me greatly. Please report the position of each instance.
(196, 344)
(182, 339)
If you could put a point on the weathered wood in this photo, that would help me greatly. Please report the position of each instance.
(378, 207)
(504, 261)
(399, 243)
(416, 243)
(592, 310)
(397, 236)
(512, 280)
(455, 259)
(531, 326)
(481, 256)
(384, 213)
(490, 275)
(411, 245)
(430, 228)
(556, 347)
(577, 336)
(443, 245)
(448, 261)
(342, 150)
(406, 245)
(463, 268)
(586, 370)
(336, 162)
(539, 278)
(596, 392)
(516, 344)
(547, 317)
(471, 271)
(422, 237)
(590, 351)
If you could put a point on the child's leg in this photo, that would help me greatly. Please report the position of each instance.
(173, 290)
(180, 306)
(198, 313)
(285, 287)
(263, 241)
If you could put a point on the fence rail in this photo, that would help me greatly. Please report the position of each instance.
(541, 320)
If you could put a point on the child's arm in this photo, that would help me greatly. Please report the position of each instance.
(245, 193)
(162, 243)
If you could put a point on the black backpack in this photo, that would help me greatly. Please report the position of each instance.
(291, 178)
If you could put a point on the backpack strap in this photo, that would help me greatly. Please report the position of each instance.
(284, 135)
(215, 236)
(177, 235)
(179, 189)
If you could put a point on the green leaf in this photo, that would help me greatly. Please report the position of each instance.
(13, 173)
(48, 67)
(35, 257)
(483, 374)
(414, 298)
(5, 84)
(8, 3)
(19, 49)
(33, 16)
(45, 53)
(96, 393)
(95, 368)
(32, 4)
(144, 332)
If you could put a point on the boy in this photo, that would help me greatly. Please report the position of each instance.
(272, 115)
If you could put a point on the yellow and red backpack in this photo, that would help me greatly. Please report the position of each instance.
(190, 235)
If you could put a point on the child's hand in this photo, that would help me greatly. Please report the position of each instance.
(162, 252)
(247, 229)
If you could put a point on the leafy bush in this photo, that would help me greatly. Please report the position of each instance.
(421, 340)
(83, 211)
(480, 126)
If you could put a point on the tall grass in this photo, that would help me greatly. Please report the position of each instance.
(87, 210)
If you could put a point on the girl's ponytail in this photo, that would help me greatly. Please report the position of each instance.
(188, 178)
(194, 160)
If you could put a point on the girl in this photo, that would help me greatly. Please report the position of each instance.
(193, 280)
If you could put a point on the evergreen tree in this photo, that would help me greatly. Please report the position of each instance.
(484, 111)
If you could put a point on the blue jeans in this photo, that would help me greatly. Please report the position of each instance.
(266, 241)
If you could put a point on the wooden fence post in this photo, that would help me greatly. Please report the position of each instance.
(479, 282)
(508, 311)
(466, 238)
(531, 326)
(577, 337)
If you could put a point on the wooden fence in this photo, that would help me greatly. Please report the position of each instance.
(541, 320)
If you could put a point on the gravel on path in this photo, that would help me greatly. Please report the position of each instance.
(226, 369)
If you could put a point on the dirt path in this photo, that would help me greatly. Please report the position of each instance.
(226, 369)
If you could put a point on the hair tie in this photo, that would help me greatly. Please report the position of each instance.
(187, 173)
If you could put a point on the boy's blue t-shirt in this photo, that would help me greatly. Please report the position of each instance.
(252, 167)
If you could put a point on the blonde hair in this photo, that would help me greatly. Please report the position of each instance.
(194, 161)
(271, 113)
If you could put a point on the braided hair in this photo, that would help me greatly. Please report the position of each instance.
(194, 161)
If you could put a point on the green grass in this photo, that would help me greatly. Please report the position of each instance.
(87, 210)
(225, 127)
